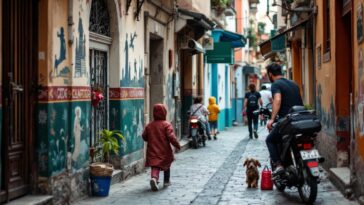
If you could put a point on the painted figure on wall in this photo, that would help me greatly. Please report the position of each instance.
(62, 52)
(138, 75)
(132, 38)
(80, 65)
(77, 129)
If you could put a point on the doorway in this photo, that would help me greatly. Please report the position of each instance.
(156, 87)
(344, 72)
(19, 78)
(100, 42)
(99, 83)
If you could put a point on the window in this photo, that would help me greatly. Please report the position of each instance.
(326, 22)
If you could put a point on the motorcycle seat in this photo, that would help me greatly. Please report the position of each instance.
(297, 108)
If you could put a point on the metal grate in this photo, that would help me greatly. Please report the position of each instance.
(99, 18)
(99, 114)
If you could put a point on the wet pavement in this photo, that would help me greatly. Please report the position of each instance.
(214, 175)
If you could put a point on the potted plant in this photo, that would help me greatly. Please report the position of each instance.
(101, 172)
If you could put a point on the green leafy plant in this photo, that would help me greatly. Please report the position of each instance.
(220, 3)
(109, 142)
(308, 107)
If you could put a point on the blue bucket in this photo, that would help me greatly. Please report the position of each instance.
(100, 185)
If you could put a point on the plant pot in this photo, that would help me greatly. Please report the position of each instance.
(101, 169)
(100, 185)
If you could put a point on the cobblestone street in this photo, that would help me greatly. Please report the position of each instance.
(213, 175)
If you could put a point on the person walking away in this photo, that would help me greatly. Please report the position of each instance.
(267, 99)
(159, 135)
(251, 103)
(286, 94)
(214, 110)
(200, 111)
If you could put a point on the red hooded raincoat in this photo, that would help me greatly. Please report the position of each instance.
(159, 135)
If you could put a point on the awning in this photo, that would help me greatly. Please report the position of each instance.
(236, 39)
(198, 21)
(224, 44)
(251, 70)
(278, 42)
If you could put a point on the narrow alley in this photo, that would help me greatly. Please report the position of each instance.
(214, 175)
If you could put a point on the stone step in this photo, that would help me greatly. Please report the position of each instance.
(33, 200)
(340, 177)
(116, 176)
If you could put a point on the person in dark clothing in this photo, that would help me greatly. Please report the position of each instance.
(286, 94)
(251, 103)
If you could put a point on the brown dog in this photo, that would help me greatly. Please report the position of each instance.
(252, 173)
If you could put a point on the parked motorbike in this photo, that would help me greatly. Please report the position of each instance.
(197, 132)
(264, 111)
(298, 154)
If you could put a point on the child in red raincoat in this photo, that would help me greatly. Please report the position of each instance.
(159, 135)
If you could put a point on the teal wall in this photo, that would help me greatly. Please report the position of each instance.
(63, 137)
(225, 118)
(128, 117)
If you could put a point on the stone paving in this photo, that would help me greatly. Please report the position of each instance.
(213, 175)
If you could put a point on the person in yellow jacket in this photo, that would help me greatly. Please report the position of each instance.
(214, 115)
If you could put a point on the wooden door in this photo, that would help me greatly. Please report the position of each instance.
(19, 77)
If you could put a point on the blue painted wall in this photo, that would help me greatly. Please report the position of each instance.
(128, 117)
(63, 137)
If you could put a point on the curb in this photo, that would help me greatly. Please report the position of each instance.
(185, 144)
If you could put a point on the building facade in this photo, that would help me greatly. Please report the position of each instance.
(59, 55)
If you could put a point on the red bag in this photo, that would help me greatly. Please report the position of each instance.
(266, 182)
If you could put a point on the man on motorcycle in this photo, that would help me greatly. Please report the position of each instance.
(286, 94)
(199, 110)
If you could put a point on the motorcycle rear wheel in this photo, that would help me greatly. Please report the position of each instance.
(308, 191)
(280, 187)
(194, 142)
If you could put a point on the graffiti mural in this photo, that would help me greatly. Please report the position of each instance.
(127, 80)
(127, 102)
(130, 122)
(80, 65)
(63, 130)
(328, 116)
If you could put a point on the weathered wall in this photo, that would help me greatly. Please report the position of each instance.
(196, 6)
(64, 100)
(326, 89)
(357, 148)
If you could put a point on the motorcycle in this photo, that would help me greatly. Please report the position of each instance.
(298, 154)
(197, 132)
(265, 112)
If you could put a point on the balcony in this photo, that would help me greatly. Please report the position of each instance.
(300, 3)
